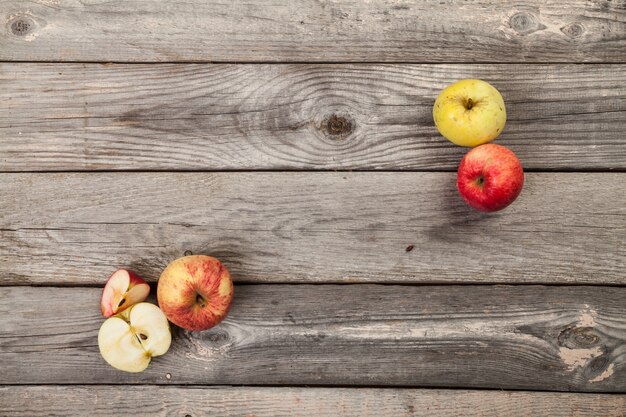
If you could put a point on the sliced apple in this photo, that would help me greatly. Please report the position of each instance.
(129, 340)
(123, 289)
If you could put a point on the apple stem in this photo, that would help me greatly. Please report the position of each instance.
(121, 302)
(469, 104)
(200, 300)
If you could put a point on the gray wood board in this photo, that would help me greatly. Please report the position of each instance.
(57, 117)
(510, 337)
(77, 228)
(70, 401)
(310, 30)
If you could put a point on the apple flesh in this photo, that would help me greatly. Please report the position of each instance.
(470, 113)
(123, 289)
(490, 177)
(129, 340)
(195, 292)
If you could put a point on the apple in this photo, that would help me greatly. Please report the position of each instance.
(195, 292)
(129, 340)
(122, 290)
(490, 177)
(469, 113)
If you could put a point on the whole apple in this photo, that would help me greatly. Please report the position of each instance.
(470, 113)
(195, 292)
(490, 177)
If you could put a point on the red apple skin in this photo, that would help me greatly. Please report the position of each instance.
(490, 177)
(195, 292)
(135, 291)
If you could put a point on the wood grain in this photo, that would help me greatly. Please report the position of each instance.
(313, 117)
(69, 401)
(309, 30)
(76, 228)
(512, 337)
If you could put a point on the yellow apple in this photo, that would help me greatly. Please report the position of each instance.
(470, 113)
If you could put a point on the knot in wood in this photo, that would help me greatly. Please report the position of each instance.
(217, 338)
(22, 26)
(337, 127)
(578, 337)
(525, 23)
(598, 365)
(573, 30)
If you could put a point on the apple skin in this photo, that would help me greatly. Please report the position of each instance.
(470, 113)
(195, 292)
(490, 177)
(123, 289)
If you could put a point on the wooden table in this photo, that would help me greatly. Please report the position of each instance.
(294, 141)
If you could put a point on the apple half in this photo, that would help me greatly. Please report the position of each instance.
(129, 340)
(123, 289)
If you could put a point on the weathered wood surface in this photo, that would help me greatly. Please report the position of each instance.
(76, 228)
(69, 401)
(309, 30)
(511, 337)
(225, 117)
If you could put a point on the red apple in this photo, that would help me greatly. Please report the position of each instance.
(195, 292)
(490, 177)
(123, 289)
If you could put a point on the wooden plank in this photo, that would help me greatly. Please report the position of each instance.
(69, 401)
(314, 117)
(511, 337)
(308, 30)
(76, 228)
